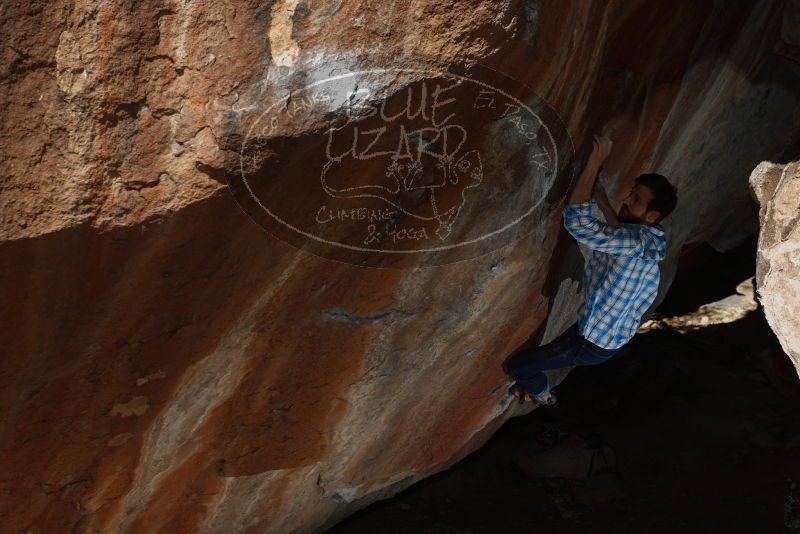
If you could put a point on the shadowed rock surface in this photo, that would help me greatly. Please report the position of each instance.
(169, 366)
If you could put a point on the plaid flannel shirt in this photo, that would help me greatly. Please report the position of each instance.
(621, 277)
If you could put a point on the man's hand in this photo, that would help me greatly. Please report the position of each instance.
(601, 148)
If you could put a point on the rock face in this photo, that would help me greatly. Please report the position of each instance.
(167, 365)
(777, 188)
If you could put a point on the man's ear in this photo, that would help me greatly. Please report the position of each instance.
(652, 216)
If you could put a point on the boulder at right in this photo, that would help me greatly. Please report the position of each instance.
(777, 189)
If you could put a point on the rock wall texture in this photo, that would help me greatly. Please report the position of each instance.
(169, 366)
(777, 188)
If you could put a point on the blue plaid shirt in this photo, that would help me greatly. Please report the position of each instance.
(620, 280)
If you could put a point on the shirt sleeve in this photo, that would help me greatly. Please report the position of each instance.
(620, 240)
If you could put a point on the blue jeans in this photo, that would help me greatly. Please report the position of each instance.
(567, 350)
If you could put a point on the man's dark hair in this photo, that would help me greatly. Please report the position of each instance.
(665, 195)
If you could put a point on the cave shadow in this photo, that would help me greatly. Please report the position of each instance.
(717, 456)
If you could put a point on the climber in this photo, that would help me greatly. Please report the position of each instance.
(620, 280)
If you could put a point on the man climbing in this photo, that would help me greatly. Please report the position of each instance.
(620, 280)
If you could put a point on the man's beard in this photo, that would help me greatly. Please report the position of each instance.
(626, 216)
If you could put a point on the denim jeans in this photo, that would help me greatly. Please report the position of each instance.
(567, 350)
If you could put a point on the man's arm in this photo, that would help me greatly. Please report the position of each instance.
(621, 240)
(616, 239)
(601, 148)
(601, 198)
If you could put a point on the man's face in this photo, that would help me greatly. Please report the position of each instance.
(634, 206)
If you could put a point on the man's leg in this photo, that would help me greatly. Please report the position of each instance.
(526, 366)
(591, 354)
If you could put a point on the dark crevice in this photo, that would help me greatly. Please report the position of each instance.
(706, 275)
(337, 314)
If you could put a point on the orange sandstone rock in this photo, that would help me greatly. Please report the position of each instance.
(169, 366)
